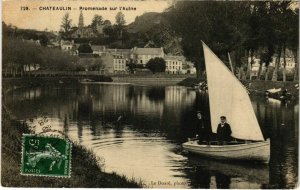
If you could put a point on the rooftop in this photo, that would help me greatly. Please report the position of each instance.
(148, 51)
(66, 42)
(98, 48)
(119, 50)
(173, 57)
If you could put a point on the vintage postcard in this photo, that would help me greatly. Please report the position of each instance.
(150, 94)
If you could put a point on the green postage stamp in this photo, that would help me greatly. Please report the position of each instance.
(46, 156)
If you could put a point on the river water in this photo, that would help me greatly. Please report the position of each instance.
(146, 144)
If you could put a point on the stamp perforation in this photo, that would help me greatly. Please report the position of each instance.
(50, 155)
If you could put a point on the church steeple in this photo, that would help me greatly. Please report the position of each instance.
(80, 23)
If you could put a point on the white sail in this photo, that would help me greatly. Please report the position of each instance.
(228, 97)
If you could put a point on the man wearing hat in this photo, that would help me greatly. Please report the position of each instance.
(203, 132)
(223, 131)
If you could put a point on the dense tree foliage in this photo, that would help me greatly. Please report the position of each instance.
(66, 23)
(85, 48)
(96, 65)
(243, 28)
(156, 65)
(19, 57)
(97, 20)
(27, 34)
(120, 19)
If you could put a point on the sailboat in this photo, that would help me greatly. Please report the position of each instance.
(228, 97)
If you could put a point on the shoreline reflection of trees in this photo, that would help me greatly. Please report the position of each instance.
(284, 148)
(156, 93)
(202, 179)
(188, 117)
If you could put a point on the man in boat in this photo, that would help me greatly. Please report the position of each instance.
(203, 133)
(223, 131)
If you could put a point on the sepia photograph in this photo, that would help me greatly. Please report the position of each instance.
(166, 94)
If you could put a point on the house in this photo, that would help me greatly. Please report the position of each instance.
(174, 64)
(289, 59)
(66, 45)
(256, 63)
(126, 53)
(119, 63)
(254, 67)
(189, 68)
(143, 55)
(114, 63)
(107, 60)
(53, 43)
(32, 41)
(99, 50)
(69, 46)
(33, 67)
(87, 31)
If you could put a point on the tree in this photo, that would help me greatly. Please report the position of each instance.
(293, 38)
(283, 20)
(120, 19)
(131, 65)
(119, 26)
(111, 31)
(85, 48)
(97, 20)
(107, 22)
(96, 65)
(277, 64)
(214, 22)
(266, 57)
(156, 64)
(19, 57)
(43, 40)
(66, 23)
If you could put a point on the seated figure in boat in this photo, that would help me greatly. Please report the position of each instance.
(223, 131)
(203, 133)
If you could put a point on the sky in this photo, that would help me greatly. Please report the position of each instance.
(14, 11)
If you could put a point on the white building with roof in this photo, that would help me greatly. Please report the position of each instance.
(174, 64)
(126, 53)
(119, 63)
(99, 50)
(114, 63)
(66, 45)
(256, 61)
(143, 55)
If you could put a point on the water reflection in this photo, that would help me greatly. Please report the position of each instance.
(208, 173)
(155, 120)
(201, 179)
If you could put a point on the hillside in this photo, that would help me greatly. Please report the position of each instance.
(153, 29)
(27, 34)
(144, 22)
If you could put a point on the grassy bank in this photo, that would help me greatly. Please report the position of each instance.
(85, 170)
(8, 83)
(255, 86)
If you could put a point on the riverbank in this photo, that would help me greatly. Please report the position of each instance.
(157, 79)
(146, 79)
(14, 83)
(256, 87)
(85, 170)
